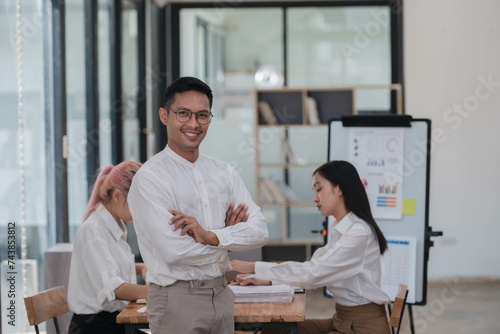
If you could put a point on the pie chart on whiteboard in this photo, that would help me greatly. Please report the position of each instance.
(392, 144)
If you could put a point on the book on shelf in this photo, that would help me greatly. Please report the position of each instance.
(288, 152)
(277, 195)
(287, 191)
(267, 113)
(312, 111)
(280, 293)
(277, 191)
(266, 191)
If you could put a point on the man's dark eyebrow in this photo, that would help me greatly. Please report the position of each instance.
(184, 108)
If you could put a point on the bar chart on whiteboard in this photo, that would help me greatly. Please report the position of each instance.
(398, 266)
(377, 155)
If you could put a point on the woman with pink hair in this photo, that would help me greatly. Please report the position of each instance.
(103, 274)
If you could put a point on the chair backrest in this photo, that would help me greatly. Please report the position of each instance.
(399, 306)
(46, 305)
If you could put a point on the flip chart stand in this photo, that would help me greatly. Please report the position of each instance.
(416, 179)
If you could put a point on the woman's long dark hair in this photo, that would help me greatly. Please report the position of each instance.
(344, 174)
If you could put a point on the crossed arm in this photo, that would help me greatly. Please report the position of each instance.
(191, 226)
(129, 291)
(149, 204)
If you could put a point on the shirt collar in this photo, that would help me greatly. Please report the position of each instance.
(180, 159)
(110, 223)
(345, 224)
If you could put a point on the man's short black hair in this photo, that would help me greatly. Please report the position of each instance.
(185, 84)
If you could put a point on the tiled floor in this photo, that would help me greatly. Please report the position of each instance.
(455, 306)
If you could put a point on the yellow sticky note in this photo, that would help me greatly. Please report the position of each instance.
(410, 207)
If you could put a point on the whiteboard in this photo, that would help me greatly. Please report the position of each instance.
(412, 226)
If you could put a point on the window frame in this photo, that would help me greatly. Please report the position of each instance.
(172, 11)
(55, 60)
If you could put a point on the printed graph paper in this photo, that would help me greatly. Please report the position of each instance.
(398, 266)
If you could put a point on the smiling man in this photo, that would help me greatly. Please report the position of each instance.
(182, 203)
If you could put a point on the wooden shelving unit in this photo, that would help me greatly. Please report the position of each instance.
(290, 108)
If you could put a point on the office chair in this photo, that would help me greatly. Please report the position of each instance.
(48, 304)
(398, 308)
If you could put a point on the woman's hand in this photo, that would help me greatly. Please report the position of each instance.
(242, 280)
(243, 266)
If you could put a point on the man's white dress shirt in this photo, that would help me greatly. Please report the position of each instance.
(203, 189)
(348, 265)
(101, 261)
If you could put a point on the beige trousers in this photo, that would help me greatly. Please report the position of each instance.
(363, 319)
(191, 307)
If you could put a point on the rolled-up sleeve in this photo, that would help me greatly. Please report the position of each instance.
(333, 263)
(245, 235)
(102, 268)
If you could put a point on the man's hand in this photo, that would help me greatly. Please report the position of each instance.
(192, 228)
(238, 215)
(140, 269)
(243, 266)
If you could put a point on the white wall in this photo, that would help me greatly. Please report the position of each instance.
(449, 46)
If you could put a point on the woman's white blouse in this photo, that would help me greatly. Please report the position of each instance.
(348, 265)
(101, 261)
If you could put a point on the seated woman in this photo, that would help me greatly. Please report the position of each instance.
(349, 264)
(103, 274)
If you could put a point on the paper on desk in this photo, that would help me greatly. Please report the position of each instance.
(280, 293)
(142, 309)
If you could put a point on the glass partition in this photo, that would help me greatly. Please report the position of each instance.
(130, 86)
(39, 164)
(331, 46)
(78, 188)
(36, 138)
(218, 45)
(104, 77)
(225, 47)
(341, 46)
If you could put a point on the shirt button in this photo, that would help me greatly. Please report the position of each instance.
(194, 166)
(205, 205)
(199, 182)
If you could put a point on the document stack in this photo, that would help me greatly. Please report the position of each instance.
(280, 293)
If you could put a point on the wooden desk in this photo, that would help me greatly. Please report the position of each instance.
(246, 315)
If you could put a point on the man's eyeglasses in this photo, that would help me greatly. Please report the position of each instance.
(183, 116)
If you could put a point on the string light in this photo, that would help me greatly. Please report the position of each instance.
(20, 129)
